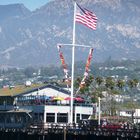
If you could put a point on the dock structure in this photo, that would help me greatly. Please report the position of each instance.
(73, 130)
(43, 112)
(46, 103)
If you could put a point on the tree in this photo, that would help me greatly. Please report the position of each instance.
(99, 80)
(120, 84)
(29, 72)
(132, 86)
(85, 88)
(109, 83)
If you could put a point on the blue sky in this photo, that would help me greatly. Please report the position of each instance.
(30, 4)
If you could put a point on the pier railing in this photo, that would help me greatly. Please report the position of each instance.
(75, 129)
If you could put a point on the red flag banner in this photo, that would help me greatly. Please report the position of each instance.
(86, 17)
(88, 61)
(82, 84)
(67, 80)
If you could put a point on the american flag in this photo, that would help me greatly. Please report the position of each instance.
(86, 17)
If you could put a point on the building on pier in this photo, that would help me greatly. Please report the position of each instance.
(15, 119)
(46, 104)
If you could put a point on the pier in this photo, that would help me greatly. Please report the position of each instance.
(68, 132)
(42, 115)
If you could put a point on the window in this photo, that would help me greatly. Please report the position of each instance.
(77, 117)
(50, 117)
(85, 116)
(62, 117)
(38, 117)
(2, 118)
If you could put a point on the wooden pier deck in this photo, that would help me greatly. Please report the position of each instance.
(75, 130)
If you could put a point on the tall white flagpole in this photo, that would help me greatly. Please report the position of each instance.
(72, 74)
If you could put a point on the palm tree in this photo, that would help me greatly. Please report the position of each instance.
(110, 86)
(96, 89)
(135, 81)
(99, 80)
(120, 85)
(132, 84)
(85, 88)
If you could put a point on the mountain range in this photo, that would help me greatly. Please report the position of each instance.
(30, 38)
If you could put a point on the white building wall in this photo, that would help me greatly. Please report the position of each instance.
(84, 110)
(136, 115)
(59, 109)
(48, 92)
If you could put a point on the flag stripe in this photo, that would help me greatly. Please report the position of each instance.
(80, 19)
(87, 24)
(91, 14)
(84, 20)
(87, 18)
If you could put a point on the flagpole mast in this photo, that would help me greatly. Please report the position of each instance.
(72, 74)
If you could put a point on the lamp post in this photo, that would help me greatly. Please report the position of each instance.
(99, 110)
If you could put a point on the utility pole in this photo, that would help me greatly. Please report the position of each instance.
(99, 110)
